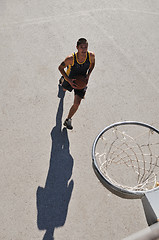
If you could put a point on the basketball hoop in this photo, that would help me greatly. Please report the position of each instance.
(126, 158)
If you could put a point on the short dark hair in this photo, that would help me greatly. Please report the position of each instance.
(81, 41)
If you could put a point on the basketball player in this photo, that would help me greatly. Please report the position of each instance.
(80, 63)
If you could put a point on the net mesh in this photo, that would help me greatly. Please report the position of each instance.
(128, 156)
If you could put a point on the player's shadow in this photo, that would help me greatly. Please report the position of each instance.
(53, 199)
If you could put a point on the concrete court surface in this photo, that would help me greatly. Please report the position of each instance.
(47, 185)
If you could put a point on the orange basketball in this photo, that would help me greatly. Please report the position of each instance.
(80, 81)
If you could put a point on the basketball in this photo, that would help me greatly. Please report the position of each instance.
(80, 81)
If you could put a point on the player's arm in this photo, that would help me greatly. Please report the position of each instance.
(92, 65)
(68, 61)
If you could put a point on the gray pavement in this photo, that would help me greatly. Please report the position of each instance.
(48, 188)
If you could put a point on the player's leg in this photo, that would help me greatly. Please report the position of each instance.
(79, 95)
(73, 109)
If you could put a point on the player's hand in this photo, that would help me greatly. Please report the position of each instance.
(73, 84)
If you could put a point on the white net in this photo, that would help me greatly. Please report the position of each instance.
(128, 157)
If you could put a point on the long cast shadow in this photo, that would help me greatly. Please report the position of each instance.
(53, 200)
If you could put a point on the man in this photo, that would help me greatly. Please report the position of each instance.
(80, 63)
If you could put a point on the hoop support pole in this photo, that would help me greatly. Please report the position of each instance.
(150, 204)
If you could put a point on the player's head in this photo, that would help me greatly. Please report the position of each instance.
(82, 41)
(82, 46)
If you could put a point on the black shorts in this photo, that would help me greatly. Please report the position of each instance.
(80, 92)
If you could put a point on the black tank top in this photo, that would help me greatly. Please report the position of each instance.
(78, 68)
